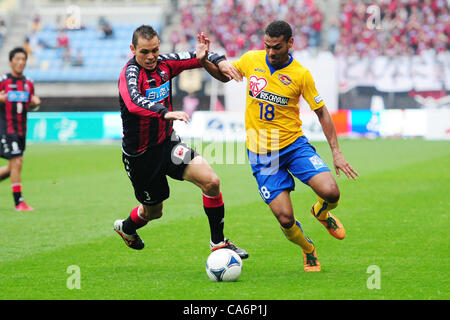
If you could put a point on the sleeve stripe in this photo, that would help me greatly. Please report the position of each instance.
(124, 90)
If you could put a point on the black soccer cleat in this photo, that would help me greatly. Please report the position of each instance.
(227, 244)
(131, 240)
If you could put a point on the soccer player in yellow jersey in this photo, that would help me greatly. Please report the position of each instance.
(277, 148)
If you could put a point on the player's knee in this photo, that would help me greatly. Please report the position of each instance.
(16, 163)
(332, 194)
(212, 185)
(286, 223)
(286, 220)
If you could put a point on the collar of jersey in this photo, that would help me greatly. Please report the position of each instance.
(273, 69)
(16, 78)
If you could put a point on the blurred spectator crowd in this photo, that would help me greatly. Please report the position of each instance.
(238, 25)
(393, 27)
(390, 27)
(369, 37)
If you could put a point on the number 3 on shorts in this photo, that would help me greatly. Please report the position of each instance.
(264, 192)
(147, 196)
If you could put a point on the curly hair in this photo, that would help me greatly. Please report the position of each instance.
(279, 28)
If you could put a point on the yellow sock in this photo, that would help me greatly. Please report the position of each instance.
(296, 235)
(322, 207)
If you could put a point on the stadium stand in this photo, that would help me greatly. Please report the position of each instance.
(101, 58)
(401, 47)
(238, 25)
(64, 76)
(67, 44)
(402, 28)
(401, 51)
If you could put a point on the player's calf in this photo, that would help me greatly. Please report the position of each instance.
(295, 234)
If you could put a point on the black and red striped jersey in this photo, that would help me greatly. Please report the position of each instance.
(13, 113)
(146, 96)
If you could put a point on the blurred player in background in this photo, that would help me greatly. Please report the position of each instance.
(16, 98)
(277, 148)
(151, 149)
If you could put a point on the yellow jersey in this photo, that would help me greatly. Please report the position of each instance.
(272, 113)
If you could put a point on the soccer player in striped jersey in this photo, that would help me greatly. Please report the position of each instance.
(277, 147)
(16, 98)
(151, 149)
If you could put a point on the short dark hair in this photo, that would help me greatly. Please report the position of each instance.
(14, 51)
(279, 28)
(144, 31)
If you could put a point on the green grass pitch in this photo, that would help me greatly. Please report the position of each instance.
(395, 214)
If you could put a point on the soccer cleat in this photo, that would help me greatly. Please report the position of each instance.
(332, 224)
(311, 262)
(23, 207)
(227, 244)
(131, 240)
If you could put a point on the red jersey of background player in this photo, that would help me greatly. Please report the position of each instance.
(13, 113)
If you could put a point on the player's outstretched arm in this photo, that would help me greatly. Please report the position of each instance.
(224, 71)
(340, 164)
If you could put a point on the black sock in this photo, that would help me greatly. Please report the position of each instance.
(216, 222)
(17, 197)
(129, 226)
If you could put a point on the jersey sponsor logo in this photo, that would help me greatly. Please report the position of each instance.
(159, 93)
(271, 98)
(18, 96)
(260, 70)
(257, 85)
(285, 79)
(318, 99)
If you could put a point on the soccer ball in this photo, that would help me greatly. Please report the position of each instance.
(223, 265)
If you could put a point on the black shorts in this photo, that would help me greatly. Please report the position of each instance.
(148, 171)
(11, 146)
